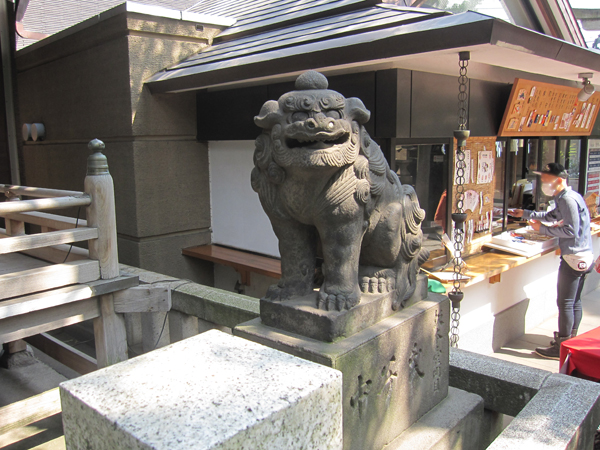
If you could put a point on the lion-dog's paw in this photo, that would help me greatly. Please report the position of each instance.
(331, 299)
(377, 281)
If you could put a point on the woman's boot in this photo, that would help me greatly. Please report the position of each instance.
(552, 352)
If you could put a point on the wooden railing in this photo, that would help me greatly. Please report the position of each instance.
(70, 284)
(56, 230)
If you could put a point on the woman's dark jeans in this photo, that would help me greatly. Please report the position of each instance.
(568, 300)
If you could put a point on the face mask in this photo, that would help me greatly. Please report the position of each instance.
(548, 189)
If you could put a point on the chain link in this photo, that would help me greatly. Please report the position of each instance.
(458, 233)
(454, 323)
(463, 95)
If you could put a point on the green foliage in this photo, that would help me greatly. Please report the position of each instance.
(451, 5)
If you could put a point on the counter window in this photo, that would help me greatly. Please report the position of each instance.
(570, 157)
(425, 167)
(593, 167)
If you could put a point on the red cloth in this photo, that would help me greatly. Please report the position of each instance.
(584, 351)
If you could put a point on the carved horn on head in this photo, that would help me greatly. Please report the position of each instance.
(268, 115)
(356, 109)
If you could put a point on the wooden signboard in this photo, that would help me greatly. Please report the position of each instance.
(543, 109)
(480, 159)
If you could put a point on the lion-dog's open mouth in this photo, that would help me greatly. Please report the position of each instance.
(318, 141)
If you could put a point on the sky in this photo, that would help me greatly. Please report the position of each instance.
(589, 36)
(494, 8)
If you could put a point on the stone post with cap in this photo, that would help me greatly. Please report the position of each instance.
(101, 212)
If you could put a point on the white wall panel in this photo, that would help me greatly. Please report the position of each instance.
(238, 219)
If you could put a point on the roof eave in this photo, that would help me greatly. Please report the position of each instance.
(441, 34)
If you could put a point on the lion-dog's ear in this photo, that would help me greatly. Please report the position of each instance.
(268, 116)
(356, 109)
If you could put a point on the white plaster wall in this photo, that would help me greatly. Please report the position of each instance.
(238, 219)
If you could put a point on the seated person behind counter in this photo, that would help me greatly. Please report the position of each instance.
(571, 224)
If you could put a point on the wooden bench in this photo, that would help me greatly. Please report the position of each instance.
(243, 262)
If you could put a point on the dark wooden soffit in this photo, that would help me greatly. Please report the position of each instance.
(437, 34)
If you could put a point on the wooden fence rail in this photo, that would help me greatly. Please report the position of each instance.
(44, 204)
(31, 241)
(49, 221)
(29, 191)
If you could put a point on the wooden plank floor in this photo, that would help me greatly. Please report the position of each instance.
(20, 384)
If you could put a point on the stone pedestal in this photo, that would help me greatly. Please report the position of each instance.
(300, 316)
(394, 371)
(211, 391)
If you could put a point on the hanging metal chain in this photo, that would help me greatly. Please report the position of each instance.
(458, 216)
(463, 94)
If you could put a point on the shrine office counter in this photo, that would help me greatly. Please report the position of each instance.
(506, 295)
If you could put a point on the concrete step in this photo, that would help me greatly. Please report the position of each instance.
(454, 424)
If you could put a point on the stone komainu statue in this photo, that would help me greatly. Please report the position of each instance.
(322, 180)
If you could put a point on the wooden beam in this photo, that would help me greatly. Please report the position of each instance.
(16, 346)
(36, 322)
(30, 410)
(29, 191)
(44, 300)
(143, 299)
(34, 280)
(62, 296)
(43, 219)
(63, 353)
(43, 204)
(57, 253)
(495, 278)
(31, 241)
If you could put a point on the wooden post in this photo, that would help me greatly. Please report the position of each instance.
(182, 326)
(155, 331)
(109, 334)
(101, 212)
(15, 228)
(109, 328)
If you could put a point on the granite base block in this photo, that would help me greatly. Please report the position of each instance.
(211, 391)
(454, 424)
(300, 315)
(394, 371)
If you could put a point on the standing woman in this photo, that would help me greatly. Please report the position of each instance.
(570, 223)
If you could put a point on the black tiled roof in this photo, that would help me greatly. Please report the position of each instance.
(369, 19)
(50, 17)
(258, 14)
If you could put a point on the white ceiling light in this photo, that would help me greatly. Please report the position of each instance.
(588, 88)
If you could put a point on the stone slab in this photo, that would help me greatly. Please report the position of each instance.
(564, 414)
(506, 387)
(211, 391)
(300, 315)
(394, 371)
(207, 303)
(454, 424)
